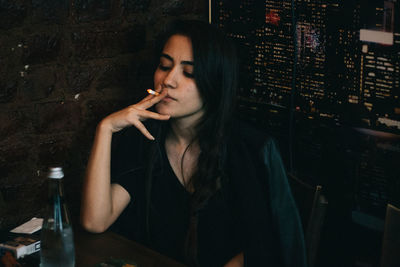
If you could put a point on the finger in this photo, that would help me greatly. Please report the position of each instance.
(156, 90)
(153, 115)
(148, 97)
(159, 88)
(140, 126)
(154, 100)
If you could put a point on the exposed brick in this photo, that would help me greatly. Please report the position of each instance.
(198, 7)
(98, 109)
(15, 161)
(79, 78)
(89, 45)
(41, 48)
(2, 206)
(56, 117)
(50, 11)
(112, 75)
(9, 193)
(134, 6)
(14, 123)
(135, 39)
(10, 56)
(140, 70)
(12, 13)
(54, 150)
(107, 44)
(92, 10)
(174, 7)
(7, 90)
(39, 83)
(34, 194)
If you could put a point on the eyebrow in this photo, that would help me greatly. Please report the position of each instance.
(183, 62)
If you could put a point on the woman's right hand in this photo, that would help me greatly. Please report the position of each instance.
(135, 114)
(102, 202)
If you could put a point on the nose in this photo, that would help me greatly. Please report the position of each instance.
(171, 78)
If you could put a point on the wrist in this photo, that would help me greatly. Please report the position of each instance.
(104, 127)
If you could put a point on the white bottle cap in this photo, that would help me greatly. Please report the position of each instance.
(55, 173)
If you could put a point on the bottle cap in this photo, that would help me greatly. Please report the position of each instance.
(55, 173)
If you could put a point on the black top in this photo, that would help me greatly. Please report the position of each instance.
(251, 212)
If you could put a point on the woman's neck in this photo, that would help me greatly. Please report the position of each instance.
(182, 150)
(181, 132)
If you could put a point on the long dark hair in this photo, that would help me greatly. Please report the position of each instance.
(215, 74)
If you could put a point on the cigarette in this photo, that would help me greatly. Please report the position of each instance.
(152, 92)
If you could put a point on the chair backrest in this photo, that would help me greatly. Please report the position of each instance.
(303, 194)
(390, 256)
(314, 226)
(312, 207)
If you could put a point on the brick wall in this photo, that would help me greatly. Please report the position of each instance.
(64, 65)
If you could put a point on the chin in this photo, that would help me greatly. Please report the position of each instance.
(162, 110)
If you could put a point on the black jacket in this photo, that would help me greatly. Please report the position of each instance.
(269, 213)
(271, 232)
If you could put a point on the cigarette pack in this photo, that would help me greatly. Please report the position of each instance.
(21, 246)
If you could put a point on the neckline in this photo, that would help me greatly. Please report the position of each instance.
(171, 171)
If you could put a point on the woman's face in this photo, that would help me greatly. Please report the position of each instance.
(175, 73)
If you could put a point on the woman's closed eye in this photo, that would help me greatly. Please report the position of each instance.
(188, 70)
(188, 74)
(163, 67)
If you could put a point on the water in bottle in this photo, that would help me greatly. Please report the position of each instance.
(57, 244)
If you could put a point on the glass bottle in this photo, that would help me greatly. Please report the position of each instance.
(57, 244)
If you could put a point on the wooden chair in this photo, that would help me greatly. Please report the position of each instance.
(312, 207)
(390, 256)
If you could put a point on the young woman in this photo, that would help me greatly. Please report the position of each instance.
(187, 179)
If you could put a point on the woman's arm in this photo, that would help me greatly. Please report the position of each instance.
(237, 261)
(103, 202)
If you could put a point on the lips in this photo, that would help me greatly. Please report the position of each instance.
(169, 98)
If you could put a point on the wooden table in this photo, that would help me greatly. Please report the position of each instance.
(91, 249)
